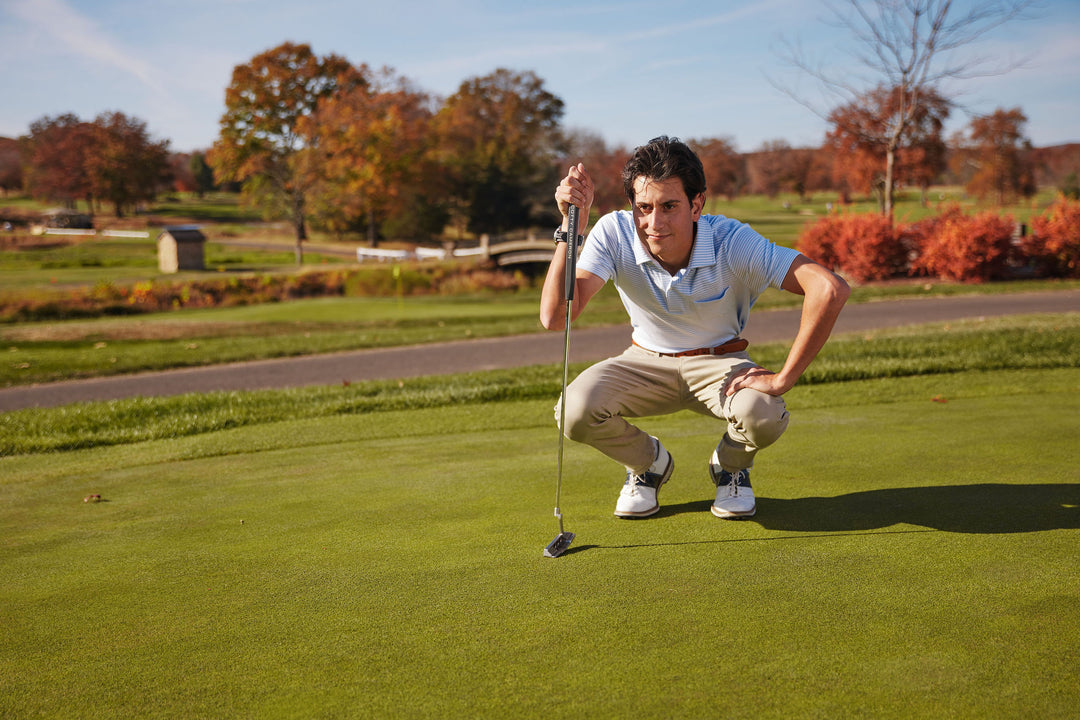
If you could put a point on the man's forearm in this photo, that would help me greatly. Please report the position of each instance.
(819, 313)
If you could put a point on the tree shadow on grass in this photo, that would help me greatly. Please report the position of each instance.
(984, 508)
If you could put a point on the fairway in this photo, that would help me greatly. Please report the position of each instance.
(913, 555)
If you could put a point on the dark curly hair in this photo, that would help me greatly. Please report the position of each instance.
(661, 159)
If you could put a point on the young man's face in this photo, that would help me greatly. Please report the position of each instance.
(665, 219)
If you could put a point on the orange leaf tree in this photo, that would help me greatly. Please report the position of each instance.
(370, 159)
(995, 156)
(259, 144)
(884, 137)
(498, 136)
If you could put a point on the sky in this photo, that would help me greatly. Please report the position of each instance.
(626, 70)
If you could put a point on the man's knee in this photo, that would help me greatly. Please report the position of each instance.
(758, 417)
(580, 418)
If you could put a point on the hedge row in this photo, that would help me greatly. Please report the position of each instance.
(155, 296)
(951, 246)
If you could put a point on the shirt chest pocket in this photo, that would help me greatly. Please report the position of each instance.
(712, 298)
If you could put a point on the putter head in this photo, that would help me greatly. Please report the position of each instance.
(559, 545)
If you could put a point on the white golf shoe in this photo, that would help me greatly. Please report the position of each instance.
(734, 495)
(638, 496)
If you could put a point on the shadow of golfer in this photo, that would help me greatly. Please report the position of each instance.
(986, 508)
(983, 508)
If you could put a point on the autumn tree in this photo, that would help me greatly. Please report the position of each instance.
(125, 166)
(910, 47)
(603, 163)
(725, 168)
(371, 158)
(768, 168)
(872, 157)
(994, 156)
(180, 168)
(809, 170)
(201, 173)
(11, 174)
(56, 152)
(259, 144)
(499, 138)
(1058, 165)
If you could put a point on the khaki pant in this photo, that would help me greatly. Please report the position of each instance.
(641, 383)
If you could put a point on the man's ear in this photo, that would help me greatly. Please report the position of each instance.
(698, 205)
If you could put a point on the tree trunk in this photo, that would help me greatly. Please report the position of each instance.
(887, 191)
(301, 229)
(301, 236)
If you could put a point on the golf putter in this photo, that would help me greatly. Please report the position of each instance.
(562, 541)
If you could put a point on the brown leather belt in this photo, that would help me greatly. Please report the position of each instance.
(731, 346)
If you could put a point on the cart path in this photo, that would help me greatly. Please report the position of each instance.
(586, 345)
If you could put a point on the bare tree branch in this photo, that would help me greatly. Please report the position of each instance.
(910, 46)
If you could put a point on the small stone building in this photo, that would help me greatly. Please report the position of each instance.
(181, 248)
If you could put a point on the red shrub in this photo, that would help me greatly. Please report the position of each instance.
(1054, 243)
(864, 247)
(919, 234)
(967, 249)
(818, 241)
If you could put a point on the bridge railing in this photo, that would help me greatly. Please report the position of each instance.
(504, 251)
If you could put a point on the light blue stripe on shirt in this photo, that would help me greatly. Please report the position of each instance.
(703, 305)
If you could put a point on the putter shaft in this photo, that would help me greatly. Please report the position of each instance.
(562, 541)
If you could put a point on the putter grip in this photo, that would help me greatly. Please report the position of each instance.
(571, 252)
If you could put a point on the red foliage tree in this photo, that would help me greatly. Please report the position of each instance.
(11, 173)
(725, 169)
(124, 165)
(57, 150)
(998, 156)
(769, 169)
(885, 137)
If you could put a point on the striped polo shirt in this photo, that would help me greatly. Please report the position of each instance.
(703, 305)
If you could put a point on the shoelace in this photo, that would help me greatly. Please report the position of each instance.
(633, 481)
(733, 484)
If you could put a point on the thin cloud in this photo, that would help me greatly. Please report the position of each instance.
(532, 47)
(78, 34)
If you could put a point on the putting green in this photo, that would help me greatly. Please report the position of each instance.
(914, 555)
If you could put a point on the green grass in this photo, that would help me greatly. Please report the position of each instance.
(127, 261)
(1010, 343)
(43, 352)
(910, 558)
(217, 207)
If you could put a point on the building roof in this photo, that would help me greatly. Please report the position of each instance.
(183, 233)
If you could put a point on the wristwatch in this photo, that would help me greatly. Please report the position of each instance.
(561, 237)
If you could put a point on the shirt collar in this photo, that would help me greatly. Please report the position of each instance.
(703, 253)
